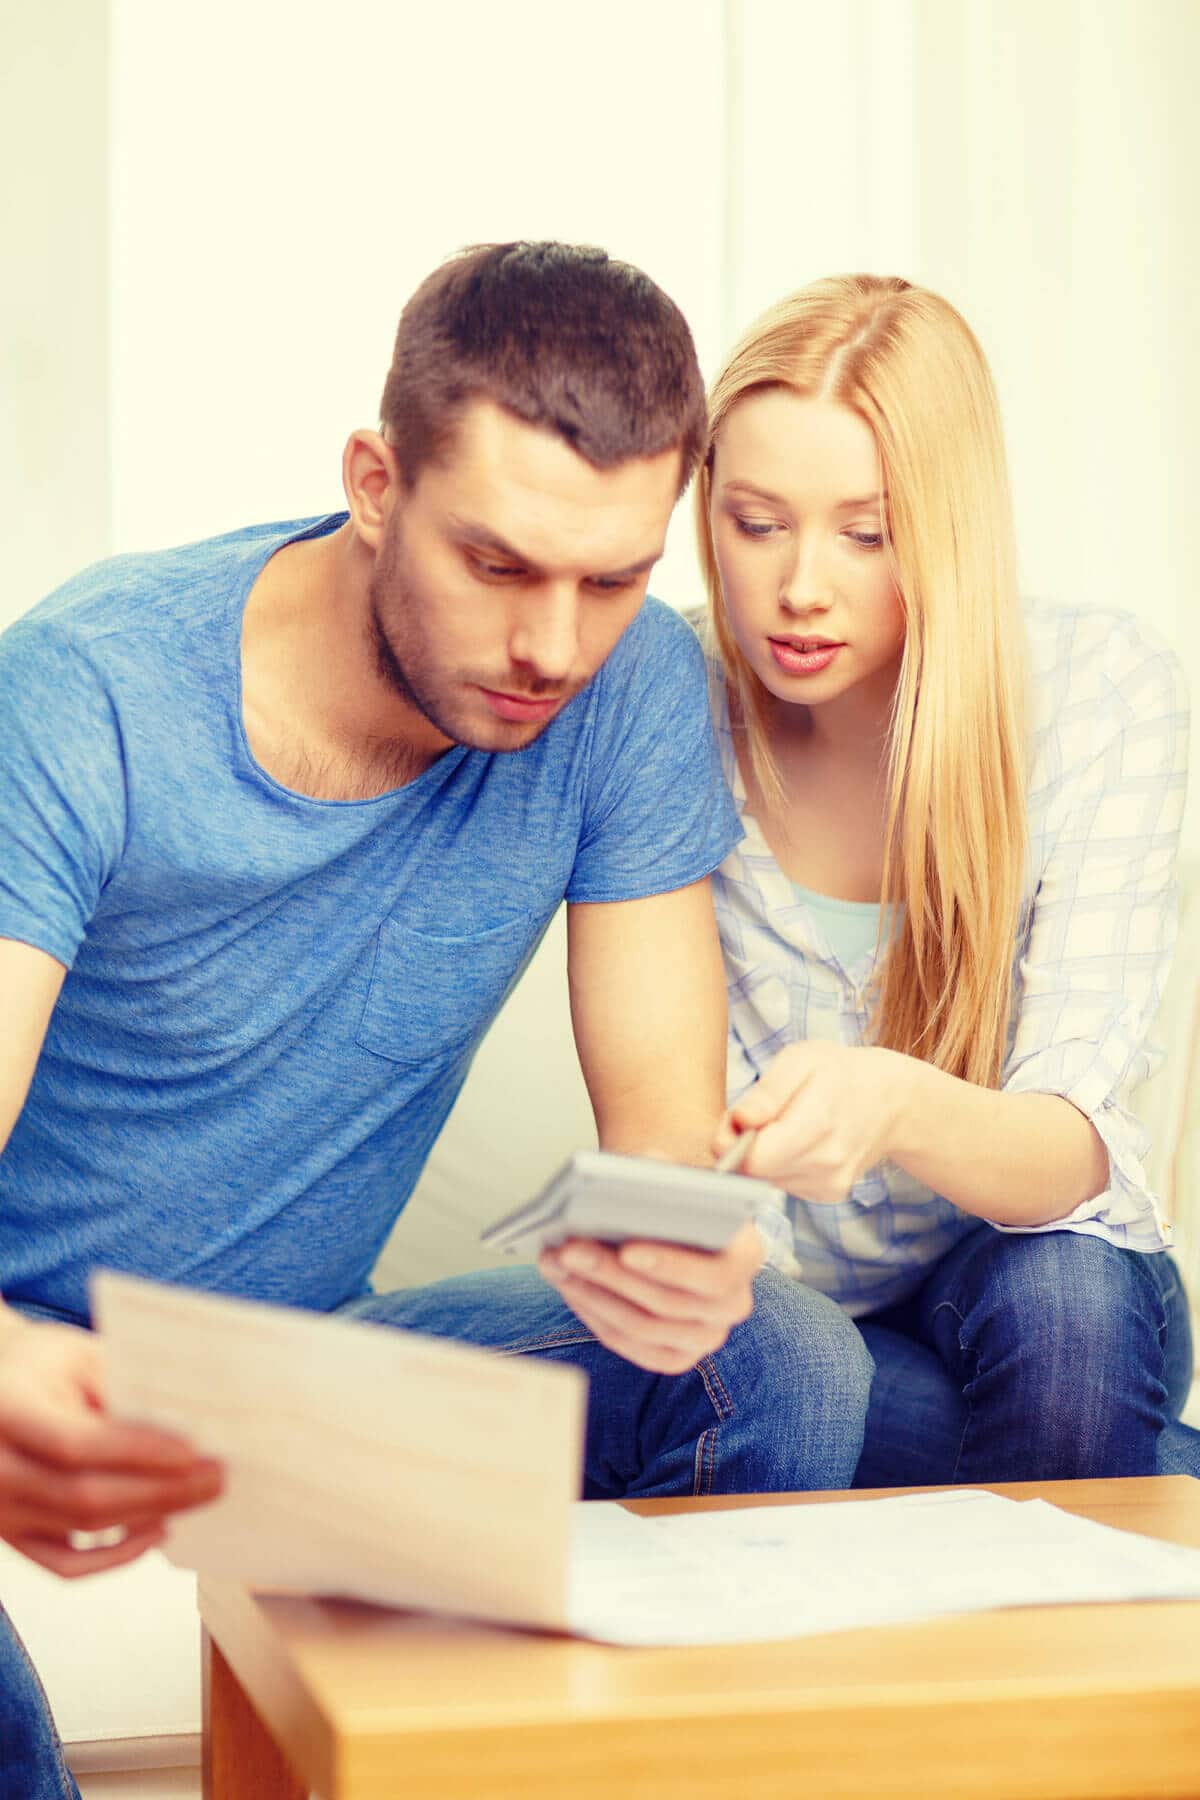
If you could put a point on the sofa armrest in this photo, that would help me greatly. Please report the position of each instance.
(118, 1655)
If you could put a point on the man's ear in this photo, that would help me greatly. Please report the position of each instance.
(372, 482)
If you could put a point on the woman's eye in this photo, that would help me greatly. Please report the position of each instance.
(866, 540)
(753, 528)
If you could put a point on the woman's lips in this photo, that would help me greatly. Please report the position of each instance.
(803, 656)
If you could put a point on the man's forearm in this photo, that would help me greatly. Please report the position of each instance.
(1018, 1159)
(642, 1124)
(648, 1008)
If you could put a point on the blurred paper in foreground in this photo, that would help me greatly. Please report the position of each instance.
(360, 1460)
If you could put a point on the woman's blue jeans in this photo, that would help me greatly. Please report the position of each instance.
(780, 1407)
(1031, 1358)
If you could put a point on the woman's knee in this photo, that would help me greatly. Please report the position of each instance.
(1065, 1294)
(1074, 1330)
(1060, 1341)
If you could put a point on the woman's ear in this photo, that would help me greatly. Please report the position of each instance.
(372, 481)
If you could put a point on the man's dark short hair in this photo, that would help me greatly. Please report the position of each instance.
(562, 336)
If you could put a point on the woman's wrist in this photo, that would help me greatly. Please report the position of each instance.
(900, 1087)
(1016, 1159)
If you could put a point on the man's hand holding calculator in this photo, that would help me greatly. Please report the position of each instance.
(659, 1306)
(664, 1299)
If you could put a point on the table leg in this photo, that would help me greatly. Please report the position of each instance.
(241, 1760)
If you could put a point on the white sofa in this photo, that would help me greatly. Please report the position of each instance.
(119, 1654)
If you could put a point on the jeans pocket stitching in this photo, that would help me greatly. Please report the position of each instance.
(715, 1388)
(706, 1449)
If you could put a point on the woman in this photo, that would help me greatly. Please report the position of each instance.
(948, 927)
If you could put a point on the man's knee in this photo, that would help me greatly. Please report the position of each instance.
(804, 1340)
(789, 1390)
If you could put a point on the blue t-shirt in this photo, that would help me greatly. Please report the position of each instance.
(272, 1001)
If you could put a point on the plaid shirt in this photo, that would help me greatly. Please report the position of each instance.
(1108, 716)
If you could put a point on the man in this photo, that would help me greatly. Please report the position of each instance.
(283, 817)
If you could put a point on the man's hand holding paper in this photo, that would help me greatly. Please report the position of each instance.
(67, 1468)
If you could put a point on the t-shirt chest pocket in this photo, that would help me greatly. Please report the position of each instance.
(431, 998)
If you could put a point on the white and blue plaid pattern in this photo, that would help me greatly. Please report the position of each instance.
(1109, 717)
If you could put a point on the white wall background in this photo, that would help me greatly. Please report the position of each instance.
(262, 247)
(53, 295)
(236, 199)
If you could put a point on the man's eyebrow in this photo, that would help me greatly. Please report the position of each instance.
(637, 568)
(486, 539)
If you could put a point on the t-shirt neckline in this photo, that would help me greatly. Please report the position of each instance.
(324, 526)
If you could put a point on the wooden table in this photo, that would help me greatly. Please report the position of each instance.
(358, 1704)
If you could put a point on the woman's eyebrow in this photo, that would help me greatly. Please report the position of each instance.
(760, 493)
(748, 487)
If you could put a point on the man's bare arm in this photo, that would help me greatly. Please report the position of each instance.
(649, 1013)
(648, 1005)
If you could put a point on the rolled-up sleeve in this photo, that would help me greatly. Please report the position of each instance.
(1102, 925)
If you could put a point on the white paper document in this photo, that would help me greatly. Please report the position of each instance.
(754, 1573)
(383, 1465)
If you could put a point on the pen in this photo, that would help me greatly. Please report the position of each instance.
(736, 1154)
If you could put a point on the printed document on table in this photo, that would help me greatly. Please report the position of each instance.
(754, 1573)
(360, 1460)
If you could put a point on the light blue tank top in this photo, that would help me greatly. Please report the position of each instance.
(852, 926)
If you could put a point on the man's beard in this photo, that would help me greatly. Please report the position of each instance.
(390, 596)
(388, 591)
(388, 665)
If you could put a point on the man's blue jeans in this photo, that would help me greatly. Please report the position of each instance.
(1030, 1358)
(780, 1407)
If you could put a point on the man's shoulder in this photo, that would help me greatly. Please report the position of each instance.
(155, 590)
(659, 643)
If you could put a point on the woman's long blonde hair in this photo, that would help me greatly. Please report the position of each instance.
(955, 833)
